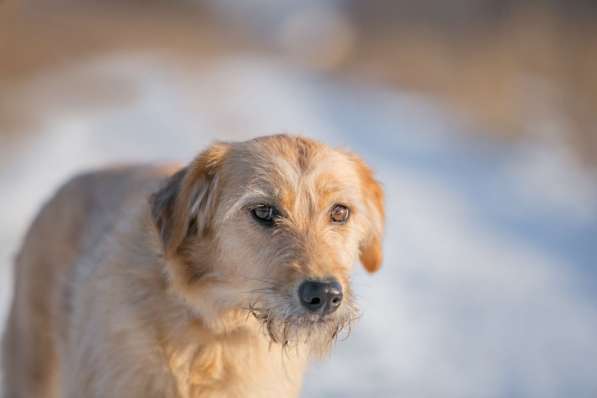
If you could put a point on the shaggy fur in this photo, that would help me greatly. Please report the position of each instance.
(157, 282)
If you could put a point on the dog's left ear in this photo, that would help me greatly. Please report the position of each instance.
(371, 254)
(185, 204)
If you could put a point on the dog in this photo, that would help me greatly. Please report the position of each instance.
(223, 278)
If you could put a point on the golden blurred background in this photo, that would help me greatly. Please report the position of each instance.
(509, 68)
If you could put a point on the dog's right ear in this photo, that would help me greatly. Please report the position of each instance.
(185, 204)
(371, 254)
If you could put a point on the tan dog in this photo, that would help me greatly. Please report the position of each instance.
(223, 284)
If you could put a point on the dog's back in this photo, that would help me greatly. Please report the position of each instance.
(79, 215)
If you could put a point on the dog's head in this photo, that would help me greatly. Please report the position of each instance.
(272, 227)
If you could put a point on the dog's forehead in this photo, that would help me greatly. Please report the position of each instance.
(289, 164)
(286, 168)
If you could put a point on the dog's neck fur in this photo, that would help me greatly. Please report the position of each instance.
(203, 359)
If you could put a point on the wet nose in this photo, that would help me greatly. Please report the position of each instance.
(324, 296)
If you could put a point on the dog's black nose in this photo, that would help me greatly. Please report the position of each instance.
(325, 296)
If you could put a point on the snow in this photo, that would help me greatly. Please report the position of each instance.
(488, 287)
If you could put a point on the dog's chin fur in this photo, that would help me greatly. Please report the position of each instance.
(292, 327)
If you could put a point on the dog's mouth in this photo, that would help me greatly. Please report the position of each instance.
(293, 326)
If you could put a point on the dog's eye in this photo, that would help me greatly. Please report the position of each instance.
(265, 214)
(340, 214)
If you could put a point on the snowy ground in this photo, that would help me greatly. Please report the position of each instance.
(489, 284)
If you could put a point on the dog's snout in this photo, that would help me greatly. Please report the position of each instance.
(325, 296)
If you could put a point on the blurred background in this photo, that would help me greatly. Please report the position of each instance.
(479, 116)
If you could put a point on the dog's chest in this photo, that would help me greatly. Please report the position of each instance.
(251, 371)
(197, 369)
